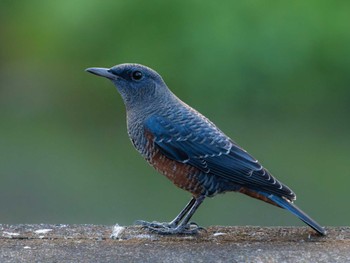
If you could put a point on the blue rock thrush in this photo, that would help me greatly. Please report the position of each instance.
(189, 149)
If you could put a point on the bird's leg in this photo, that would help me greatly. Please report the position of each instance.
(181, 215)
(177, 226)
(171, 224)
(188, 228)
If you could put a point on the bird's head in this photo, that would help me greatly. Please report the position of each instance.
(136, 83)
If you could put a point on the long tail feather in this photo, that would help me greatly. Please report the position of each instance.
(288, 205)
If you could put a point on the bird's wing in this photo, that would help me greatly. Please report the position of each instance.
(197, 142)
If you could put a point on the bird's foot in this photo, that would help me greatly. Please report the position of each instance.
(171, 229)
(153, 224)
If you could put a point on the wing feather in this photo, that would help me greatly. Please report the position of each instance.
(198, 142)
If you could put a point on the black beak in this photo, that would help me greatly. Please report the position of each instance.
(103, 72)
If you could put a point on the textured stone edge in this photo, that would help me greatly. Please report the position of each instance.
(138, 234)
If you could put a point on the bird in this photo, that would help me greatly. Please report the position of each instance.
(190, 150)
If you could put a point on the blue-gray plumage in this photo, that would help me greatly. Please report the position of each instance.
(189, 149)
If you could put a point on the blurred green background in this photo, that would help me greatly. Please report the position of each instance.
(273, 75)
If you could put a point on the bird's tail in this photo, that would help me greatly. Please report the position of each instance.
(288, 205)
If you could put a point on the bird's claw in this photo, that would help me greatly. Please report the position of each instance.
(169, 229)
(179, 230)
(153, 224)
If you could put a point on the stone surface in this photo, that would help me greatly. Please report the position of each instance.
(93, 243)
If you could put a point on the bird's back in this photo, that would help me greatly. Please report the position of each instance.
(184, 145)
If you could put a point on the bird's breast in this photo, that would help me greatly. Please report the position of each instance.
(182, 175)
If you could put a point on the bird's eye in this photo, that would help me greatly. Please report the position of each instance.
(137, 75)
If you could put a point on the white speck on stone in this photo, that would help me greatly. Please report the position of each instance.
(219, 234)
(117, 230)
(42, 231)
(9, 234)
(26, 247)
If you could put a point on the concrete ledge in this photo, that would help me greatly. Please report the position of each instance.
(92, 243)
